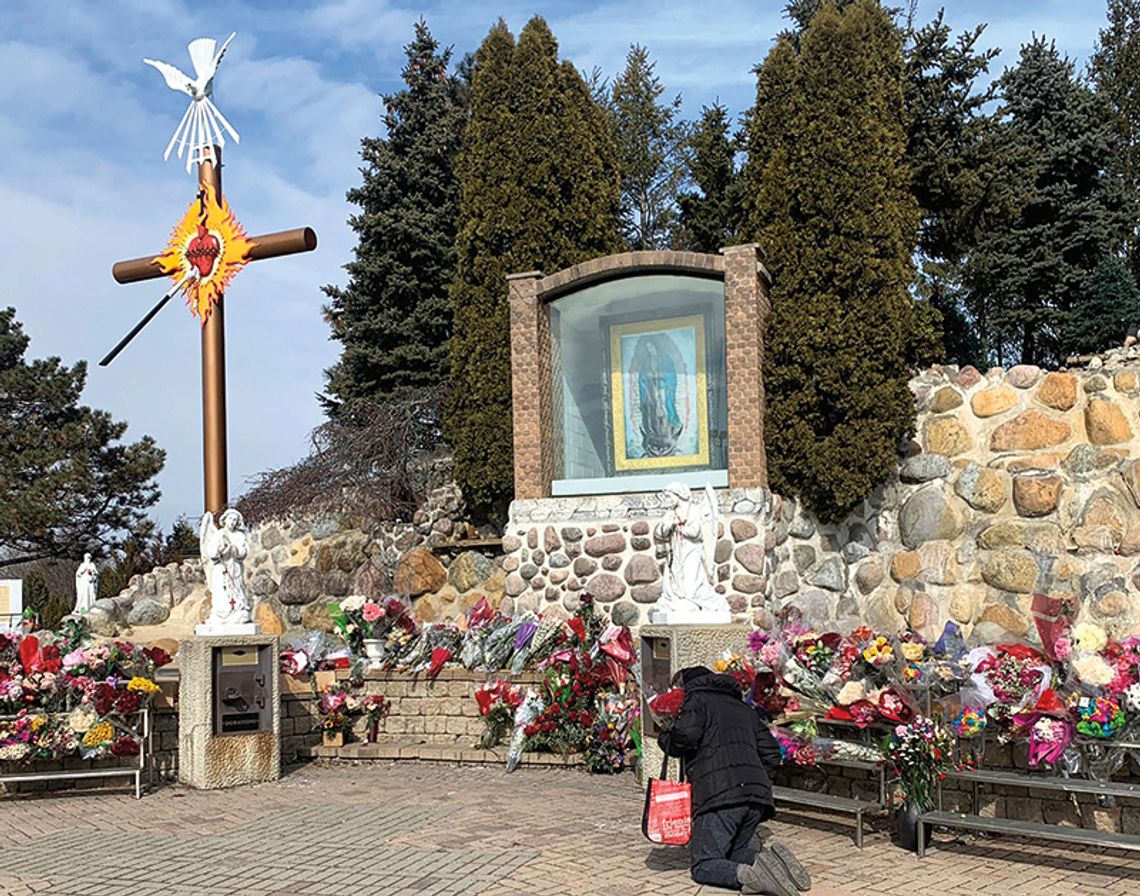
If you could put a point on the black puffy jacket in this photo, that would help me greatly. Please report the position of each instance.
(730, 755)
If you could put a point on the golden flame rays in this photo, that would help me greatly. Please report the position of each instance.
(207, 247)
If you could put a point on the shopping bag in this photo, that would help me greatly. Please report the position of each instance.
(667, 818)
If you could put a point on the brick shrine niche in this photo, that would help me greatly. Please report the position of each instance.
(629, 372)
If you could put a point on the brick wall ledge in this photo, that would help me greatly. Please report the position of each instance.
(425, 752)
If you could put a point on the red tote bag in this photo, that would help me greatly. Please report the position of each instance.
(668, 815)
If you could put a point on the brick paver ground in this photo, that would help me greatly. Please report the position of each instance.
(410, 829)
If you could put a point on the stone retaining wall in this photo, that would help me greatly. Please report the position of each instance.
(558, 548)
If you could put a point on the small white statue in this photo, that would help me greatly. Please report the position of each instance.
(688, 594)
(223, 550)
(86, 585)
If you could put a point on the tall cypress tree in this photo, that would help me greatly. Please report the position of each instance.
(652, 147)
(393, 318)
(1053, 213)
(1115, 69)
(829, 201)
(539, 190)
(711, 218)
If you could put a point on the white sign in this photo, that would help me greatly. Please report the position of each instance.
(11, 603)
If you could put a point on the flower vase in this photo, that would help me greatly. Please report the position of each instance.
(907, 822)
(374, 651)
(332, 738)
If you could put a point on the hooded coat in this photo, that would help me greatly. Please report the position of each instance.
(730, 755)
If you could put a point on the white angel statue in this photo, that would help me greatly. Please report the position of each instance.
(690, 532)
(223, 550)
(202, 124)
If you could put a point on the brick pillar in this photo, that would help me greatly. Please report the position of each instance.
(530, 385)
(746, 308)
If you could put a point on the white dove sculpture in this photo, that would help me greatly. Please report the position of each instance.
(201, 127)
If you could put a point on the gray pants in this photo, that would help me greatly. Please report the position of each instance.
(722, 841)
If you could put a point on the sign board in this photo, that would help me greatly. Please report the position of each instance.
(11, 603)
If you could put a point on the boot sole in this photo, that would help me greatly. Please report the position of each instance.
(796, 871)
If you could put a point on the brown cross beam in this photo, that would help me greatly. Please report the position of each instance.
(270, 245)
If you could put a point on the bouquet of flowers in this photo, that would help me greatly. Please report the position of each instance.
(664, 707)
(1099, 717)
(736, 665)
(610, 738)
(795, 746)
(919, 753)
(969, 722)
(497, 704)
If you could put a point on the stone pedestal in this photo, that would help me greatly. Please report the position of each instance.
(666, 650)
(209, 759)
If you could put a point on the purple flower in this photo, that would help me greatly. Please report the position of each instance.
(524, 634)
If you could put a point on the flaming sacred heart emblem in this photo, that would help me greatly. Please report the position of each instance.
(208, 246)
(203, 251)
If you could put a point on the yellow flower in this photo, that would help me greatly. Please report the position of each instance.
(144, 685)
(720, 665)
(38, 722)
(912, 651)
(97, 735)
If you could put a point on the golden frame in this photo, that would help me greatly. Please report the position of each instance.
(622, 461)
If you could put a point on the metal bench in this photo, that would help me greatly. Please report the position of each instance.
(1029, 781)
(1080, 836)
(827, 802)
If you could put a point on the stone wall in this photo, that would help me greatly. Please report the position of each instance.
(1017, 483)
(557, 548)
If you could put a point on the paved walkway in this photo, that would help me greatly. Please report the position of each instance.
(411, 829)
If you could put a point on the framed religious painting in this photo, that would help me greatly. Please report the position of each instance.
(658, 398)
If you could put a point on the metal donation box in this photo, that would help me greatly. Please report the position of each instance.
(243, 689)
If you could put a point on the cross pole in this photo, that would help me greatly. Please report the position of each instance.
(270, 245)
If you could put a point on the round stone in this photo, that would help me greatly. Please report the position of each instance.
(1011, 569)
(993, 401)
(148, 612)
(946, 436)
(1058, 390)
(1023, 376)
(299, 585)
(641, 569)
(748, 584)
(1029, 431)
(646, 594)
(611, 562)
(605, 588)
(1105, 422)
(751, 557)
(905, 566)
(927, 515)
(1036, 495)
(625, 613)
(869, 575)
(742, 529)
(924, 468)
(601, 545)
(945, 399)
(982, 488)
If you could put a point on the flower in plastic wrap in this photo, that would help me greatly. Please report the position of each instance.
(1099, 716)
(143, 685)
(1094, 670)
(1063, 648)
(1088, 638)
(912, 651)
(81, 719)
(1132, 698)
(355, 602)
(851, 692)
(98, 735)
(970, 722)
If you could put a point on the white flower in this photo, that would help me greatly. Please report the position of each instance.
(1094, 670)
(852, 692)
(1132, 698)
(350, 628)
(1088, 638)
(353, 602)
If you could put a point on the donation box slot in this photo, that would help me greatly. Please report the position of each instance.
(243, 690)
(656, 673)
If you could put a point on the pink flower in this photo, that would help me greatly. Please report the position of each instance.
(1063, 648)
(372, 612)
(77, 657)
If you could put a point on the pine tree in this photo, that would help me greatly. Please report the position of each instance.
(539, 190)
(1052, 214)
(652, 147)
(393, 318)
(67, 483)
(711, 218)
(1115, 70)
(830, 203)
(1110, 310)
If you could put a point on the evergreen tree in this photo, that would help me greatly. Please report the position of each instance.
(393, 318)
(711, 218)
(829, 200)
(1115, 69)
(1111, 309)
(67, 483)
(1052, 213)
(946, 138)
(539, 190)
(652, 148)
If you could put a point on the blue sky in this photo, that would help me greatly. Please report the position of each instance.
(84, 123)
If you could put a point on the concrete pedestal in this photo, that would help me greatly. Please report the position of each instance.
(209, 760)
(665, 650)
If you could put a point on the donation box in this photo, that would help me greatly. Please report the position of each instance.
(656, 673)
(243, 689)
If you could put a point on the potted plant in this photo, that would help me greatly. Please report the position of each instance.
(335, 720)
(918, 755)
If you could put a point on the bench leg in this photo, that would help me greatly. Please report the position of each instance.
(920, 840)
(859, 829)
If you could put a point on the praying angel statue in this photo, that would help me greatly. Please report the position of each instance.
(689, 533)
(223, 550)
